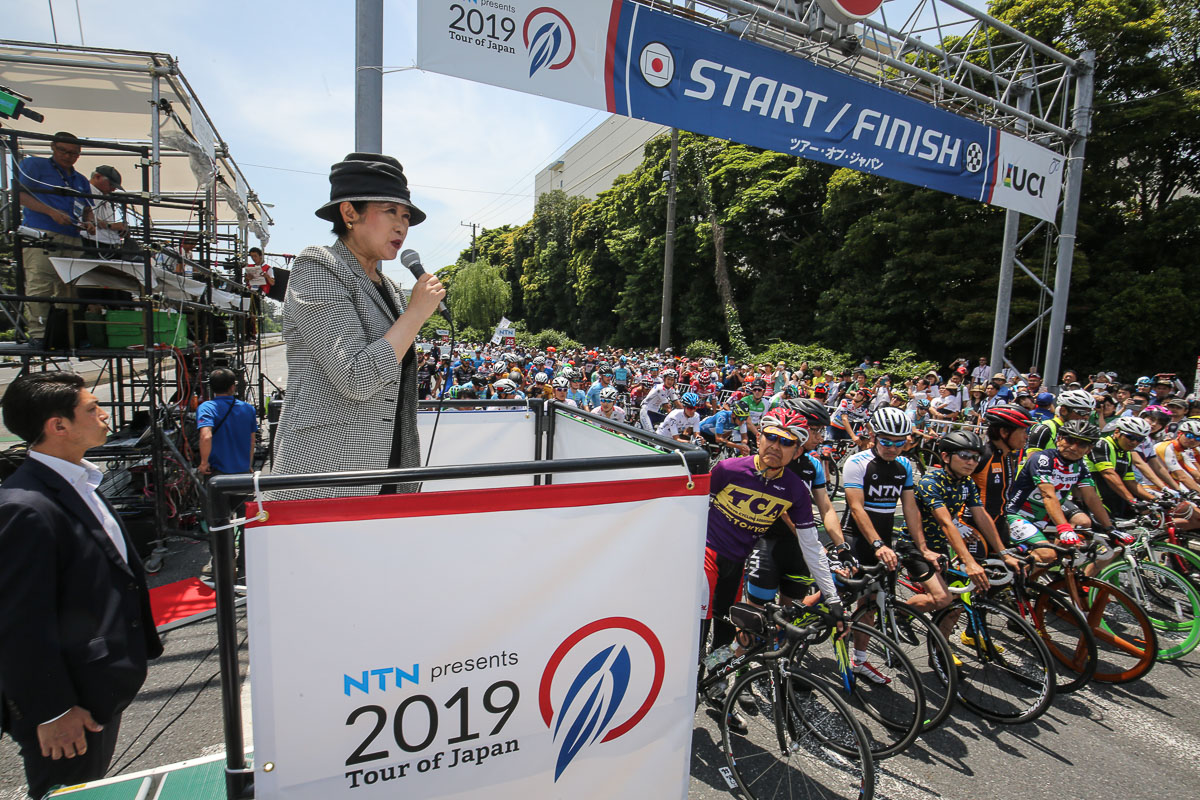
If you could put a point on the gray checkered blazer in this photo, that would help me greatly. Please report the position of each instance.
(343, 378)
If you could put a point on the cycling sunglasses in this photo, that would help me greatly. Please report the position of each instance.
(782, 441)
(1134, 438)
(1071, 440)
(890, 442)
(968, 455)
(1191, 436)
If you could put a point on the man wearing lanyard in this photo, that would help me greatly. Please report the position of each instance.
(59, 216)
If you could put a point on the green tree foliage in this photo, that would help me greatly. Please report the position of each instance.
(703, 348)
(481, 296)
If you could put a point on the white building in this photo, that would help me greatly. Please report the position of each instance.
(614, 148)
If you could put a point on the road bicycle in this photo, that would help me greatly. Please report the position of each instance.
(1170, 601)
(801, 739)
(1005, 671)
(916, 636)
(1126, 640)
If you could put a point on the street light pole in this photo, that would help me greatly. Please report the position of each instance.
(664, 335)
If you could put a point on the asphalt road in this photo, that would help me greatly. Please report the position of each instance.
(1141, 740)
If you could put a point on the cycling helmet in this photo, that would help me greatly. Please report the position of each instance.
(1080, 429)
(813, 410)
(900, 394)
(690, 399)
(541, 377)
(560, 383)
(1133, 426)
(500, 368)
(606, 370)
(758, 383)
(669, 373)
(1191, 426)
(709, 363)
(741, 409)
(1157, 413)
(623, 359)
(1145, 381)
(539, 361)
(791, 390)
(455, 393)
(791, 421)
(504, 385)
(821, 388)
(956, 441)
(515, 376)
(1009, 416)
(647, 380)
(704, 377)
(480, 379)
(891, 421)
(1077, 400)
(862, 394)
(922, 402)
(609, 395)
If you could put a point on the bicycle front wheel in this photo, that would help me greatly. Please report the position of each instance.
(802, 741)
(1169, 600)
(1126, 641)
(1005, 672)
(925, 646)
(1064, 629)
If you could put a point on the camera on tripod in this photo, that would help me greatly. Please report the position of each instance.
(12, 105)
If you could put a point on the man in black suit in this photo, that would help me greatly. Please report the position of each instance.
(75, 623)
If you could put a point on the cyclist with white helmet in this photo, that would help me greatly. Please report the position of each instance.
(1179, 454)
(560, 386)
(1111, 465)
(661, 399)
(504, 389)
(540, 387)
(608, 405)
(876, 481)
(1073, 404)
(682, 424)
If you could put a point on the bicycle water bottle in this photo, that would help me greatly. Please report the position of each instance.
(718, 657)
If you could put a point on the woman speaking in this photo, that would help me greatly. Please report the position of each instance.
(352, 379)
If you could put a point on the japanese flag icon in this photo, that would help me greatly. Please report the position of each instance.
(657, 64)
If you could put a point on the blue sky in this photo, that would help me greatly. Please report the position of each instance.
(278, 80)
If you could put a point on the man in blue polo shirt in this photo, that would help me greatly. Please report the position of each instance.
(227, 428)
(60, 216)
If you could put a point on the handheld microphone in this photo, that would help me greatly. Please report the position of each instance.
(412, 260)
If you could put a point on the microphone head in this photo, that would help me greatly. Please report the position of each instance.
(410, 258)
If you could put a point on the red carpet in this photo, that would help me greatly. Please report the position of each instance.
(181, 600)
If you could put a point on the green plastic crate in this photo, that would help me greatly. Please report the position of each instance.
(127, 328)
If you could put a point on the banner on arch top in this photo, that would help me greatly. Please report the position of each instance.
(625, 58)
(503, 643)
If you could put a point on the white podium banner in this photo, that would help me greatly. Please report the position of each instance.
(504, 643)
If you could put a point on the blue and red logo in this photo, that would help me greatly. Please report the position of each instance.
(608, 657)
(553, 42)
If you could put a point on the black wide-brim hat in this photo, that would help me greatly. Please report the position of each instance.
(369, 177)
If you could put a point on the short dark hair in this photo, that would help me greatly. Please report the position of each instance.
(221, 380)
(65, 137)
(34, 398)
(340, 228)
(256, 250)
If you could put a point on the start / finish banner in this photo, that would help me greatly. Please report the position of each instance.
(511, 643)
(627, 59)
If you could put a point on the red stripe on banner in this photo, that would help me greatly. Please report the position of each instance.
(610, 55)
(995, 168)
(473, 501)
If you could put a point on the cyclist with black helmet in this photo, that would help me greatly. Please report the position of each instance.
(576, 391)
(1040, 498)
(603, 381)
(945, 495)
(1111, 465)
(727, 427)
(1073, 404)
(1007, 431)
(682, 423)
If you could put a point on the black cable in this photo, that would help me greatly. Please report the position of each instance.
(442, 398)
(111, 772)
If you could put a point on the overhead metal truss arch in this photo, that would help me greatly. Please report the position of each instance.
(959, 58)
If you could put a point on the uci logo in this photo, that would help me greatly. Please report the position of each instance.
(553, 42)
(599, 684)
(1022, 180)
